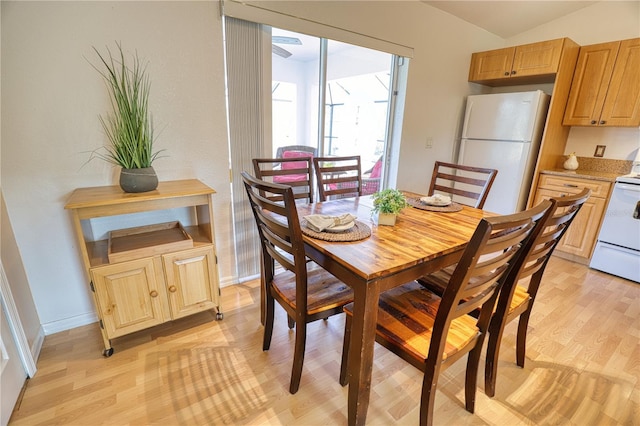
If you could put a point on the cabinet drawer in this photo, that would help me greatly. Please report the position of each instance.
(570, 185)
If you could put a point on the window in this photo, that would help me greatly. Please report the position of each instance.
(356, 97)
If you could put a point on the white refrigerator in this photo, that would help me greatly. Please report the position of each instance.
(503, 131)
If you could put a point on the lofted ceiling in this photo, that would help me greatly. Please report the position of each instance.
(502, 18)
(508, 18)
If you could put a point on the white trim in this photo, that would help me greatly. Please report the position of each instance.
(255, 13)
(15, 325)
(69, 323)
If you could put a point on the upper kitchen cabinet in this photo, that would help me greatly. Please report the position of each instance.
(606, 86)
(525, 64)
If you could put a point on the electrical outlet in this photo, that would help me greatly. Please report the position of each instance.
(428, 144)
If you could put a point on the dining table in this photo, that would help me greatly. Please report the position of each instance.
(422, 241)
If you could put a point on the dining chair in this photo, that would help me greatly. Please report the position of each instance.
(516, 301)
(465, 184)
(290, 151)
(296, 172)
(338, 177)
(432, 332)
(305, 290)
(371, 178)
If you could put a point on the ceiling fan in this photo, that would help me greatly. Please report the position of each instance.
(283, 40)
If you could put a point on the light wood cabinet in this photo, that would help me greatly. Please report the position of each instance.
(606, 86)
(144, 278)
(130, 296)
(525, 64)
(184, 268)
(578, 242)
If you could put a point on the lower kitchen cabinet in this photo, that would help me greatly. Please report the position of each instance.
(578, 242)
(144, 276)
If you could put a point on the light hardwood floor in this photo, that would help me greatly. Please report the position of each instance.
(582, 368)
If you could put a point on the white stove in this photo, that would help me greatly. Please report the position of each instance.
(617, 251)
(633, 178)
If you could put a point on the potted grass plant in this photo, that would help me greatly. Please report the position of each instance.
(388, 203)
(129, 128)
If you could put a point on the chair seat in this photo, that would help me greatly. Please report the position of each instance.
(324, 291)
(520, 297)
(410, 310)
(437, 281)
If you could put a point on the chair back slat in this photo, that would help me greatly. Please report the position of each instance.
(295, 172)
(338, 177)
(466, 184)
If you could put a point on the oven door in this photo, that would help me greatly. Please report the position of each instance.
(621, 225)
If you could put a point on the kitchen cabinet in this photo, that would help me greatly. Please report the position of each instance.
(606, 86)
(524, 64)
(144, 276)
(579, 241)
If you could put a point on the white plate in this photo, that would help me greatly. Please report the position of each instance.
(437, 202)
(341, 228)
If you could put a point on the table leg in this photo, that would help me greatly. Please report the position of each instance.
(363, 333)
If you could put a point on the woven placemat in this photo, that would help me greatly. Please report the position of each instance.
(360, 231)
(415, 202)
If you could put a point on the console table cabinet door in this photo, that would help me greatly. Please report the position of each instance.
(129, 296)
(191, 282)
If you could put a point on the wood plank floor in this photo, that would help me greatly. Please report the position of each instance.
(582, 368)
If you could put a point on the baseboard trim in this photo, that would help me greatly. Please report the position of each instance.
(69, 323)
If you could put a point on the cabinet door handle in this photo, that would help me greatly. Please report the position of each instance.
(513, 72)
(602, 121)
(593, 121)
(153, 293)
(570, 185)
(506, 73)
(172, 289)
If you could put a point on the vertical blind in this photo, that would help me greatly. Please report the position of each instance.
(245, 86)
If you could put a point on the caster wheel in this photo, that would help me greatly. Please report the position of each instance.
(107, 352)
(219, 316)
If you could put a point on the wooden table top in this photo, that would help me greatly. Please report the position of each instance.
(419, 236)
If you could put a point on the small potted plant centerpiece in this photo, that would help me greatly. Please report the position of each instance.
(129, 128)
(387, 204)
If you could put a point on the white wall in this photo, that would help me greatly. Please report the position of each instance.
(602, 22)
(51, 99)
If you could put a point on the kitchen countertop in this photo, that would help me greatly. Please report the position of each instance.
(595, 169)
(584, 174)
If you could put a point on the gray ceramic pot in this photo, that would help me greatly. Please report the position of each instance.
(138, 180)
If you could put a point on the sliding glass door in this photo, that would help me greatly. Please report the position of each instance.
(335, 97)
(354, 85)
